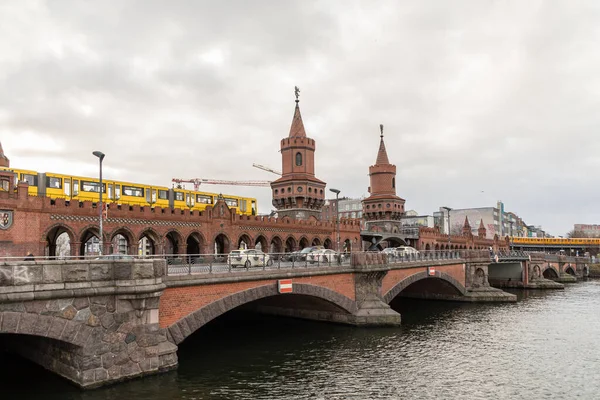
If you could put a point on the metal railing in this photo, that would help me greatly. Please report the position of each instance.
(425, 255)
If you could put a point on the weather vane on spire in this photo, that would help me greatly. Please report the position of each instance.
(381, 129)
(297, 93)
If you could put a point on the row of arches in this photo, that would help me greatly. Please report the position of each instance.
(61, 241)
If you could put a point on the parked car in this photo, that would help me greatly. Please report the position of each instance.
(248, 258)
(302, 254)
(390, 251)
(322, 256)
(406, 251)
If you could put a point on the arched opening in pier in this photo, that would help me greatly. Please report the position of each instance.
(90, 244)
(147, 243)
(276, 245)
(260, 243)
(222, 244)
(58, 242)
(173, 242)
(290, 244)
(316, 242)
(194, 243)
(328, 244)
(303, 243)
(243, 242)
(550, 273)
(19, 353)
(119, 244)
(570, 271)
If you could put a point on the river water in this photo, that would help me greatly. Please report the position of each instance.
(545, 346)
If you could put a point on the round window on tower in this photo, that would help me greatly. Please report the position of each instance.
(289, 190)
(388, 205)
(276, 191)
(309, 190)
(299, 189)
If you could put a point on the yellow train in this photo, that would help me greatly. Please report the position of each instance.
(555, 241)
(80, 188)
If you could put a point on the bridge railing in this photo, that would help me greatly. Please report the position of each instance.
(505, 255)
(424, 255)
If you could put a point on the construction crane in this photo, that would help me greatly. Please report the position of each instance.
(198, 181)
(266, 169)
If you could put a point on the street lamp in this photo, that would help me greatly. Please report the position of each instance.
(449, 229)
(100, 156)
(337, 217)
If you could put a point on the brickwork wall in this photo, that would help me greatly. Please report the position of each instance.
(35, 217)
(178, 302)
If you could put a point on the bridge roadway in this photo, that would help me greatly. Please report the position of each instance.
(101, 321)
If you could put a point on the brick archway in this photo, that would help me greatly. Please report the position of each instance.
(189, 324)
(403, 284)
(550, 272)
(51, 235)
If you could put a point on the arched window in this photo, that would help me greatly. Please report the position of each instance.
(393, 183)
(298, 159)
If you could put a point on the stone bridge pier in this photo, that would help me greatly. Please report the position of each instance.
(91, 322)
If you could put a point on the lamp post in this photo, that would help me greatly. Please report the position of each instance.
(100, 156)
(337, 217)
(449, 228)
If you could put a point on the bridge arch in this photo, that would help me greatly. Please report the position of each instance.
(86, 236)
(195, 243)
(316, 242)
(550, 272)
(276, 245)
(261, 243)
(148, 242)
(244, 241)
(221, 243)
(290, 244)
(42, 326)
(406, 282)
(52, 236)
(189, 324)
(569, 270)
(173, 241)
(115, 240)
(303, 242)
(328, 244)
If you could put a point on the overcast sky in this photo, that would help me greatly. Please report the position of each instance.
(481, 100)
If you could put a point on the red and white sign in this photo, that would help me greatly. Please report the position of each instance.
(431, 271)
(284, 286)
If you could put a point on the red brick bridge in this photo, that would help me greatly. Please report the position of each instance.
(95, 322)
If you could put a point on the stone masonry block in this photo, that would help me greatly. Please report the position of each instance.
(75, 273)
(10, 321)
(6, 275)
(56, 327)
(101, 272)
(28, 323)
(122, 271)
(143, 271)
(52, 274)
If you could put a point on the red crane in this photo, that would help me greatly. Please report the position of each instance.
(198, 181)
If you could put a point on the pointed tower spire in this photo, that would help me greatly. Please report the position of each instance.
(297, 128)
(466, 227)
(382, 157)
(4, 161)
(481, 232)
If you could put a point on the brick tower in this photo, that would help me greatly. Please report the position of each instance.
(4, 161)
(383, 208)
(298, 194)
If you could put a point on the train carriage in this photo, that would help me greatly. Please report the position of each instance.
(80, 188)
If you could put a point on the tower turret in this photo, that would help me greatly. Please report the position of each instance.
(466, 227)
(4, 161)
(382, 205)
(298, 193)
(481, 232)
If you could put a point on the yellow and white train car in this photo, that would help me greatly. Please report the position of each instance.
(80, 188)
